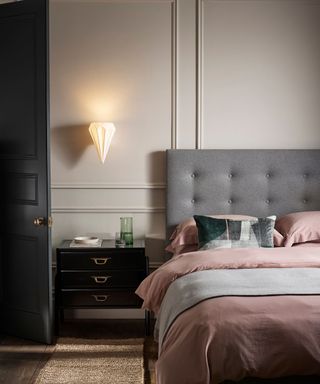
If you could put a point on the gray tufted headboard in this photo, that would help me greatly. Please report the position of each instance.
(253, 182)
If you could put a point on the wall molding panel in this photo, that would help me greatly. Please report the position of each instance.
(100, 210)
(199, 73)
(96, 197)
(257, 78)
(107, 186)
(174, 68)
(108, 1)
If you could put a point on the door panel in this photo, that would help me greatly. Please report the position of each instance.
(21, 188)
(18, 63)
(23, 256)
(26, 308)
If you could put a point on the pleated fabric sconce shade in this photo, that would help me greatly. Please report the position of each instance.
(101, 134)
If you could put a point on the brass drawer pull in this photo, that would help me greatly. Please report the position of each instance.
(100, 279)
(100, 260)
(100, 298)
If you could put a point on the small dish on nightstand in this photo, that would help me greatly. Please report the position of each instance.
(86, 240)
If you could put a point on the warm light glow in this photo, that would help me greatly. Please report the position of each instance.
(101, 134)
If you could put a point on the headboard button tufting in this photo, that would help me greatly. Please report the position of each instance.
(253, 182)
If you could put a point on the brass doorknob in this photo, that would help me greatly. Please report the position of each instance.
(39, 221)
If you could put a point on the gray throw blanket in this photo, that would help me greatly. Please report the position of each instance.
(195, 287)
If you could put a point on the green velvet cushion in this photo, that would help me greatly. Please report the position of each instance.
(225, 233)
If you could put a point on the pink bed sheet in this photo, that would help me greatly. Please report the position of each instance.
(234, 337)
(231, 338)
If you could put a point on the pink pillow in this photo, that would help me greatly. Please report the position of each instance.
(299, 227)
(178, 249)
(277, 239)
(185, 236)
(308, 244)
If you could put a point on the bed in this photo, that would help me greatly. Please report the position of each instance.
(226, 314)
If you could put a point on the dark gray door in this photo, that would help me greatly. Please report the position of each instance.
(26, 299)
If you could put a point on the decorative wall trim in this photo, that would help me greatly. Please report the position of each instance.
(174, 65)
(110, 1)
(199, 73)
(108, 210)
(107, 186)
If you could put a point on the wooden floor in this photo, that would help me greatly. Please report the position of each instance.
(21, 360)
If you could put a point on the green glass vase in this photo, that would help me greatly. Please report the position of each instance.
(126, 228)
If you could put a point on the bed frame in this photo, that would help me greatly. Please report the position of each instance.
(252, 182)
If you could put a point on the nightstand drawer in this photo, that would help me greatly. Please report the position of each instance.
(98, 261)
(101, 279)
(100, 298)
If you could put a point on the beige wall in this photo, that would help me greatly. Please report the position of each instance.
(184, 73)
(110, 61)
(261, 79)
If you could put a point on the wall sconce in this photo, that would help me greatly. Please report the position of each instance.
(101, 134)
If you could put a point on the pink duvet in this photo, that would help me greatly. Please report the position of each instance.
(233, 337)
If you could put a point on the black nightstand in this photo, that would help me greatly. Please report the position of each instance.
(99, 277)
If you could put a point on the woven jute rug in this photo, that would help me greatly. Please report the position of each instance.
(77, 361)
